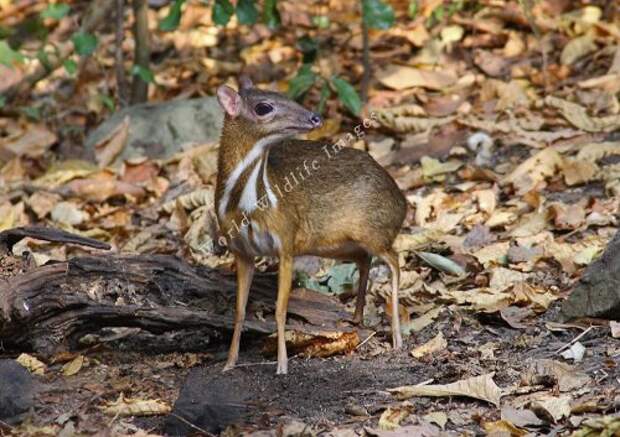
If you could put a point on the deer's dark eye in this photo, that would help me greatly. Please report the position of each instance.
(263, 109)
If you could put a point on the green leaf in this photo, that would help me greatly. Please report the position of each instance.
(56, 11)
(341, 277)
(8, 56)
(309, 48)
(414, 8)
(6, 31)
(44, 59)
(271, 16)
(247, 12)
(302, 82)
(2, 101)
(347, 95)
(31, 112)
(34, 27)
(325, 93)
(321, 21)
(70, 66)
(222, 11)
(85, 43)
(303, 280)
(377, 14)
(143, 73)
(107, 101)
(172, 20)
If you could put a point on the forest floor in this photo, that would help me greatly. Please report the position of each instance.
(500, 124)
(345, 395)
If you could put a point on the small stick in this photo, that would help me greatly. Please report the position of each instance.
(573, 341)
(142, 52)
(3, 423)
(191, 425)
(121, 82)
(366, 340)
(365, 60)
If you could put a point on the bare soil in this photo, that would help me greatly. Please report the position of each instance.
(325, 393)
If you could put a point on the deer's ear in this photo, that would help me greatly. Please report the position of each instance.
(245, 82)
(230, 100)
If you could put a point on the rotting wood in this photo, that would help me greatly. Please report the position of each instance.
(48, 309)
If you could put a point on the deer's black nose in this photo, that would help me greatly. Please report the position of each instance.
(315, 119)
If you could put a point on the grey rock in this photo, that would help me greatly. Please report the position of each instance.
(159, 130)
(598, 292)
(16, 391)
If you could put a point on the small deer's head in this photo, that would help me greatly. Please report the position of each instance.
(266, 112)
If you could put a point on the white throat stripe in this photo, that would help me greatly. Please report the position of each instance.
(273, 200)
(248, 159)
(248, 201)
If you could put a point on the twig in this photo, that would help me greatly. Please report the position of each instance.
(10, 237)
(142, 53)
(528, 6)
(3, 423)
(191, 425)
(365, 59)
(574, 340)
(121, 81)
(366, 340)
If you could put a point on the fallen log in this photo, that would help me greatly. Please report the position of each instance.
(49, 308)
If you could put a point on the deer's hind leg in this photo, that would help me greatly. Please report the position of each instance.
(391, 259)
(363, 266)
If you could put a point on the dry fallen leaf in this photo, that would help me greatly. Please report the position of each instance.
(521, 418)
(31, 363)
(431, 167)
(578, 171)
(419, 323)
(575, 352)
(479, 387)
(392, 416)
(552, 407)
(615, 328)
(112, 144)
(412, 242)
(315, 344)
(577, 48)
(424, 430)
(400, 77)
(32, 142)
(502, 428)
(578, 116)
(136, 407)
(442, 263)
(567, 377)
(68, 213)
(439, 418)
(74, 366)
(436, 344)
(534, 170)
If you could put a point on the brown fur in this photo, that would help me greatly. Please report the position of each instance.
(341, 204)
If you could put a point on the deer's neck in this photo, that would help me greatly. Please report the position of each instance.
(242, 167)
